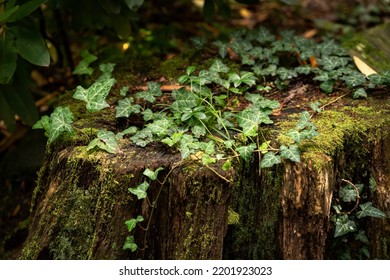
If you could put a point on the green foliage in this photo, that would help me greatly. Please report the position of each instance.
(83, 67)
(347, 222)
(59, 121)
(106, 140)
(281, 60)
(140, 190)
(95, 96)
(20, 41)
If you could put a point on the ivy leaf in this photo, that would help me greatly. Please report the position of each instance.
(59, 121)
(83, 66)
(123, 91)
(131, 224)
(222, 48)
(106, 140)
(160, 127)
(304, 120)
(348, 193)
(344, 225)
(183, 100)
(219, 67)
(246, 152)
(370, 211)
(152, 175)
(146, 95)
(173, 139)
(361, 236)
(327, 47)
(198, 131)
(129, 130)
(354, 79)
(227, 165)
(130, 244)
(269, 160)
(140, 190)
(295, 135)
(207, 159)
(330, 63)
(125, 108)
(154, 88)
(327, 86)
(247, 78)
(134, 5)
(250, 119)
(143, 137)
(264, 35)
(379, 79)
(292, 153)
(286, 74)
(95, 95)
(359, 93)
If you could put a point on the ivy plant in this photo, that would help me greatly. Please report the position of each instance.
(350, 208)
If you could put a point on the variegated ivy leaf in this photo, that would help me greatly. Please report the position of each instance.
(95, 95)
(126, 107)
(354, 79)
(367, 210)
(154, 88)
(246, 151)
(105, 140)
(219, 67)
(160, 127)
(250, 119)
(59, 121)
(344, 225)
(330, 63)
(292, 153)
(269, 160)
(348, 193)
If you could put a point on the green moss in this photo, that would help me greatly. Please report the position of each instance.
(337, 128)
(233, 217)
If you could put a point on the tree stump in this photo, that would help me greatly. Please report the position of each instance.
(284, 212)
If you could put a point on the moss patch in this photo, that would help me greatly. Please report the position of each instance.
(353, 124)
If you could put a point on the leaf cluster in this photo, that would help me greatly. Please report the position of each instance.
(349, 209)
(282, 60)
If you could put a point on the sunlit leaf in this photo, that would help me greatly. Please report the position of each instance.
(126, 107)
(152, 175)
(219, 67)
(59, 121)
(130, 244)
(95, 95)
(140, 190)
(269, 160)
(105, 140)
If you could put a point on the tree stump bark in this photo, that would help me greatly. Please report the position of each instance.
(82, 199)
